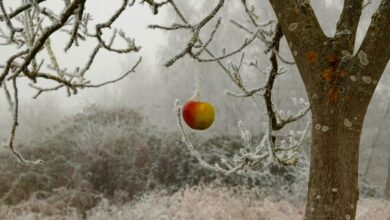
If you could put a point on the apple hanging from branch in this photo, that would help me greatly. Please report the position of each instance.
(198, 115)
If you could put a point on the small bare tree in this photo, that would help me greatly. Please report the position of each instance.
(339, 79)
(28, 29)
(274, 146)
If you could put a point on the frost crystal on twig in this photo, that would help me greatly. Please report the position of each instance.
(29, 28)
(274, 147)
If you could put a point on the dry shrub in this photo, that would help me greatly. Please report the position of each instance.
(118, 155)
(211, 203)
(111, 151)
(113, 154)
(200, 203)
(77, 152)
(191, 203)
(373, 209)
(62, 203)
(51, 208)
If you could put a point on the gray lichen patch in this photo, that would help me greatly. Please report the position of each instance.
(363, 58)
(366, 79)
(292, 26)
(347, 123)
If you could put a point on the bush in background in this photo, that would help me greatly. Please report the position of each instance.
(190, 203)
(116, 155)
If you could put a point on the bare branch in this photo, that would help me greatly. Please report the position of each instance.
(372, 51)
(132, 70)
(263, 153)
(8, 95)
(262, 34)
(8, 64)
(45, 35)
(13, 129)
(75, 86)
(173, 27)
(196, 30)
(246, 43)
(12, 29)
(240, 163)
(37, 36)
(155, 5)
(19, 10)
(76, 26)
(348, 24)
(293, 118)
(249, 13)
(132, 47)
(302, 31)
(44, 11)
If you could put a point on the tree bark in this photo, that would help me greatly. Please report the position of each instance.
(333, 183)
(387, 187)
(340, 82)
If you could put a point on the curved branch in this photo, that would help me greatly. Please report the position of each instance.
(196, 30)
(74, 86)
(19, 10)
(302, 31)
(348, 24)
(46, 34)
(13, 129)
(374, 49)
(99, 27)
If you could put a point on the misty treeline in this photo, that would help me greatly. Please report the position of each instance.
(64, 136)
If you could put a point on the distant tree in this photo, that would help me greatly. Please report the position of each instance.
(387, 186)
(339, 80)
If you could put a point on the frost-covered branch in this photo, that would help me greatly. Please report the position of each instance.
(248, 156)
(99, 31)
(155, 5)
(29, 29)
(14, 127)
(196, 31)
(274, 146)
(78, 85)
(19, 10)
(243, 160)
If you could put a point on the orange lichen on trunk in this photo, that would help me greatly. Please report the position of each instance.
(333, 94)
(332, 59)
(328, 74)
(342, 73)
(311, 56)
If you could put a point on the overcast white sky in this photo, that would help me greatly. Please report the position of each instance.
(134, 23)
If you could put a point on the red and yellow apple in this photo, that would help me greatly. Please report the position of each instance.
(198, 115)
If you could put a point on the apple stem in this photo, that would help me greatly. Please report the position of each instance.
(196, 94)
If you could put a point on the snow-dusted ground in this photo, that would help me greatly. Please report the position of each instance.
(196, 203)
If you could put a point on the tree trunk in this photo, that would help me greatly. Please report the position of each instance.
(340, 86)
(333, 183)
(387, 187)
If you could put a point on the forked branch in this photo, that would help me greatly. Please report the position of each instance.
(29, 29)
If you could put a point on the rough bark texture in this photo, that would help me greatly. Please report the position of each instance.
(340, 84)
(387, 187)
(333, 182)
